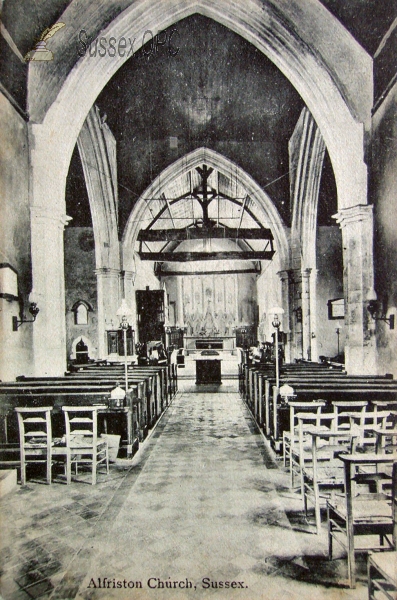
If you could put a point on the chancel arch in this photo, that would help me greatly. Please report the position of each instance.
(164, 190)
(209, 244)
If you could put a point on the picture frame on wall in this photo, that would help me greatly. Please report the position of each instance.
(336, 309)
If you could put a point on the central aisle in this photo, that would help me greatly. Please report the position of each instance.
(201, 506)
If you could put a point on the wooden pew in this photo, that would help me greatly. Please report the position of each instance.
(155, 378)
(59, 395)
(311, 382)
(161, 371)
(151, 382)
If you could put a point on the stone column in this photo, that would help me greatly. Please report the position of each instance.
(285, 304)
(108, 286)
(295, 304)
(313, 315)
(356, 223)
(129, 291)
(179, 316)
(49, 330)
(306, 323)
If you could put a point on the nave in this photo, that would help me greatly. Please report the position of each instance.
(203, 498)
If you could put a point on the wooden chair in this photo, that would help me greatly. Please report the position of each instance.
(345, 409)
(322, 476)
(368, 424)
(386, 441)
(35, 438)
(290, 438)
(390, 405)
(301, 453)
(82, 443)
(382, 575)
(372, 515)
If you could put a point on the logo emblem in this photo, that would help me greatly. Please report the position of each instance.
(40, 51)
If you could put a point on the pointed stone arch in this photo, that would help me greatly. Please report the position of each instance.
(329, 69)
(87, 342)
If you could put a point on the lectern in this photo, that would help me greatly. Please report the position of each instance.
(208, 367)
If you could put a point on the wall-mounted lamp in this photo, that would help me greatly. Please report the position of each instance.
(34, 311)
(375, 310)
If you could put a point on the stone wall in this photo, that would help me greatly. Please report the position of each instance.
(329, 287)
(383, 193)
(81, 284)
(16, 346)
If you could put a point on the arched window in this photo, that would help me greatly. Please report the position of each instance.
(81, 315)
(80, 309)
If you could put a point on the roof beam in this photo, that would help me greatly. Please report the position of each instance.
(163, 197)
(160, 273)
(219, 255)
(196, 233)
(242, 212)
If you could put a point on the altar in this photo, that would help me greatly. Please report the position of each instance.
(195, 342)
(208, 367)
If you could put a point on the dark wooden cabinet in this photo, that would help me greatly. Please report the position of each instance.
(246, 336)
(116, 342)
(208, 371)
(174, 337)
(113, 342)
(151, 315)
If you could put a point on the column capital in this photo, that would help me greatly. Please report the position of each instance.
(294, 275)
(44, 214)
(306, 272)
(284, 275)
(354, 214)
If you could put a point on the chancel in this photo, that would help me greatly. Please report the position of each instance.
(198, 297)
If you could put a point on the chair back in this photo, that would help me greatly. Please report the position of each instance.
(343, 409)
(296, 407)
(81, 425)
(35, 437)
(34, 427)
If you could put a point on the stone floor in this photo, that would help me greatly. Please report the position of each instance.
(203, 501)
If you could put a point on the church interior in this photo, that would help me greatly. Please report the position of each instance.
(198, 299)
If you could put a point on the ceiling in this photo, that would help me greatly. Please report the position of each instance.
(218, 92)
(366, 20)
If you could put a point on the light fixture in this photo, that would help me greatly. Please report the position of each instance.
(276, 324)
(376, 311)
(34, 311)
(338, 329)
(125, 314)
